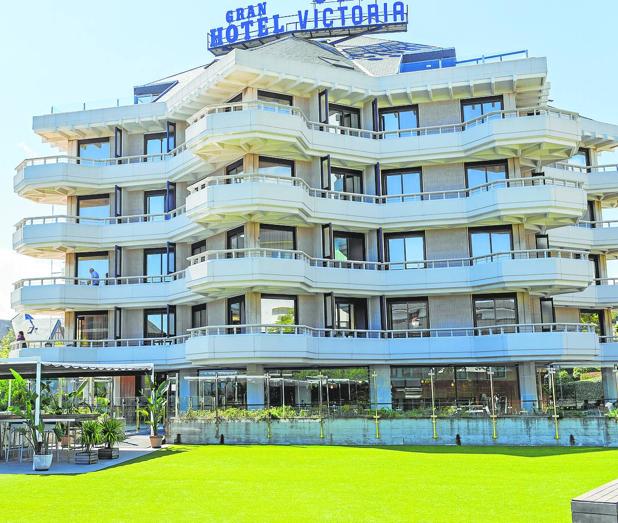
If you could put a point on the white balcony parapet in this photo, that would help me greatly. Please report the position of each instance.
(594, 236)
(602, 293)
(100, 282)
(612, 167)
(100, 344)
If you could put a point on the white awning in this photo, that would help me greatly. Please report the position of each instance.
(27, 368)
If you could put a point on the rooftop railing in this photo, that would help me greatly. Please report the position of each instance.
(494, 58)
(102, 104)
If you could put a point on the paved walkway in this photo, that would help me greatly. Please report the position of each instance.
(133, 447)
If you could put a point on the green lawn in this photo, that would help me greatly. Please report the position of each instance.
(227, 483)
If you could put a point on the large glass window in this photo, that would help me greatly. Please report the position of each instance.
(491, 311)
(279, 310)
(91, 326)
(349, 246)
(581, 158)
(595, 318)
(351, 313)
(160, 323)
(155, 146)
(344, 116)
(97, 261)
(347, 180)
(483, 173)
(403, 182)
(199, 317)
(484, 242)
(154, 205)
(477, 107)
(405, 251)
(91, 209)
(276, 167)
(277, 238)
(95, 149)
(158, 263)
(399, 119)
(408, 314)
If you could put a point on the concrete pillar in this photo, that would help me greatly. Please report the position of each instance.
(528, 392)
(610, 385)
(380, 386)
(255, 387)
(303, 394)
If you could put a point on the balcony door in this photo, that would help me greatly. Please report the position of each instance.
(347, 180)
(93, 151)
(405, 250)
(349, 246)
(278, 310)
(401, 119)
(160, 323)
(407, 183)
(481, 173)
(158, 263)
(236, 313)
(495, 310)
(408, 314)
(477, 107)
(93, 209)
(91, 326)
(487, 241)
(351, 314)
(344, 116)
(98, 261)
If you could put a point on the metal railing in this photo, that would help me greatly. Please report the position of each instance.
(274, 254)
(99, 282)
(605, 224)
(112, 220)
(565, 166)
(260, 177)
(496, 330)
(99, 344)
(493, 57)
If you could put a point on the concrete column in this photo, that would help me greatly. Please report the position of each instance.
(610, 385)
(380, 386)
(528, 392)
(255, 387)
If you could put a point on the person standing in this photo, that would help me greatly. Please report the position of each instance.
(94, 277)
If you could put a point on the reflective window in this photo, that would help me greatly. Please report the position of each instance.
(399, 119)
(405, 251)
(98, 261)
(159, 323)
(93, 207)
(475, 108)
(155, 146)
(276, 167)
(198, 248)
(581, 158)
(408, 314)
(154, 205)
(158, 263)
(483, 173)
(199, 317)
(346, 180)
(236, 239)
(349, 246)
(344, 116)
(592, 317)
(277, 238)
(490, 311)
(278, 310)
(484, 242)
(91, 326)
(276, 98)
(402, 182)
(95, 149)
(351, 314)
(236, 311)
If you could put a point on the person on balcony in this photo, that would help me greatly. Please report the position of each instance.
(21, 337)
(94, 277)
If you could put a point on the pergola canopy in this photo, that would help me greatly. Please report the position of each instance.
(28, 369)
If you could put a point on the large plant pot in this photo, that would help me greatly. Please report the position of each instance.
(87, 458)
(106, 453)
(42, 461)
(156, 442)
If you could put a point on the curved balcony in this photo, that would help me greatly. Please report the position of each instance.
(162, 352)
(609, 350)
(597, 237)
(602, 294)
(537, 134)
(301, 345)
(65, 293)
(277, 199)
(600, 181)
(220, 274)
(53, 236)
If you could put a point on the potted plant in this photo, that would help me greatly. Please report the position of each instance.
(91, 436)
(33, 432)
(112, 433)
(154, 410)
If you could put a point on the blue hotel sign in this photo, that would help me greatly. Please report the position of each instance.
(253, 25)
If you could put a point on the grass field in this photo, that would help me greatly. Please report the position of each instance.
(225, 483)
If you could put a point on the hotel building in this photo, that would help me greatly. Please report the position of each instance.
(305, 221)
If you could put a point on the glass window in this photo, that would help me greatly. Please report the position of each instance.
(405, 251)
(399, 119)
(278, 310)
(157, 264)
(95, 149)
(235, 169)
(483, 173)
(344, 116)
(277, 238)
(276, 98)
(351, 314)
(491, 311)
(91, 326)
(276, 167)
(199, 317)
(159, 323)
(154, 205)
(198, 248)
(349, 246)
(155, 146)
(93, 207)
(485, 242)
(402, 182)
(236, 239)
(594, 318)
(408, 314)
(236, 311)
(581, 158)
(346, 180)
(98, 261)
(475, 108)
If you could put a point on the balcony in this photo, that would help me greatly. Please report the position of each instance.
(53, 236)
(300, 345)
(162, 352)
(609, 350)
(61, 293)
(602, 294)
(600, 181)
(536, 201)
(220, 274)
(597, 237)
(535, 134)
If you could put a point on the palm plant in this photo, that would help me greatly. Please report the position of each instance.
(155, 406)
(112, 432)
(91, 434)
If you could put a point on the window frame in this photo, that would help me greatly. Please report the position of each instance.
(489, 229)
(281, 161)
(79, 255)
(487, 163)
(157, 136)
(201, 308)
(153, 193)
(282, 228)
(243, 310)
(92, 197)
(360, 235)
(405, 234)
(392, 172)
(481, 100)
(166, 311)
(348, 172)
(338, 108)
(494, 297)
(278, 96)
(398, 109)
(393, 301)
(88, 141)
(90, 313)
(158, 250)
(292, 297)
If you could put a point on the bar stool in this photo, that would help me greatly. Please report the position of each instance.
(16, 443)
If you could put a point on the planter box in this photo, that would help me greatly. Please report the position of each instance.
(87, 458)
(42, 461)
(109, 453)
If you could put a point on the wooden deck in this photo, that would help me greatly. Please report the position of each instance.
(597, 506)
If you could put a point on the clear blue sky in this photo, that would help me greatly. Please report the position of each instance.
(56, 53)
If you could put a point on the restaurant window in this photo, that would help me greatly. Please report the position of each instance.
(91, 326)
(94, 149)
(405, 182)
(277, 237)
(485, 242)
(279, 310)
(349, 246)
(408, 314)
(482, 173)
(477, 107)
(155, 146)
(199, 316)
(158, 263)
(405, 250)
(343, 116)
(347, 180)
(496, 310)
(99, 261)
(276, 166)
(92, 209)
(401, 119)
(160, 323)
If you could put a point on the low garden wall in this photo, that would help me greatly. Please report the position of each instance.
(515, 431)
